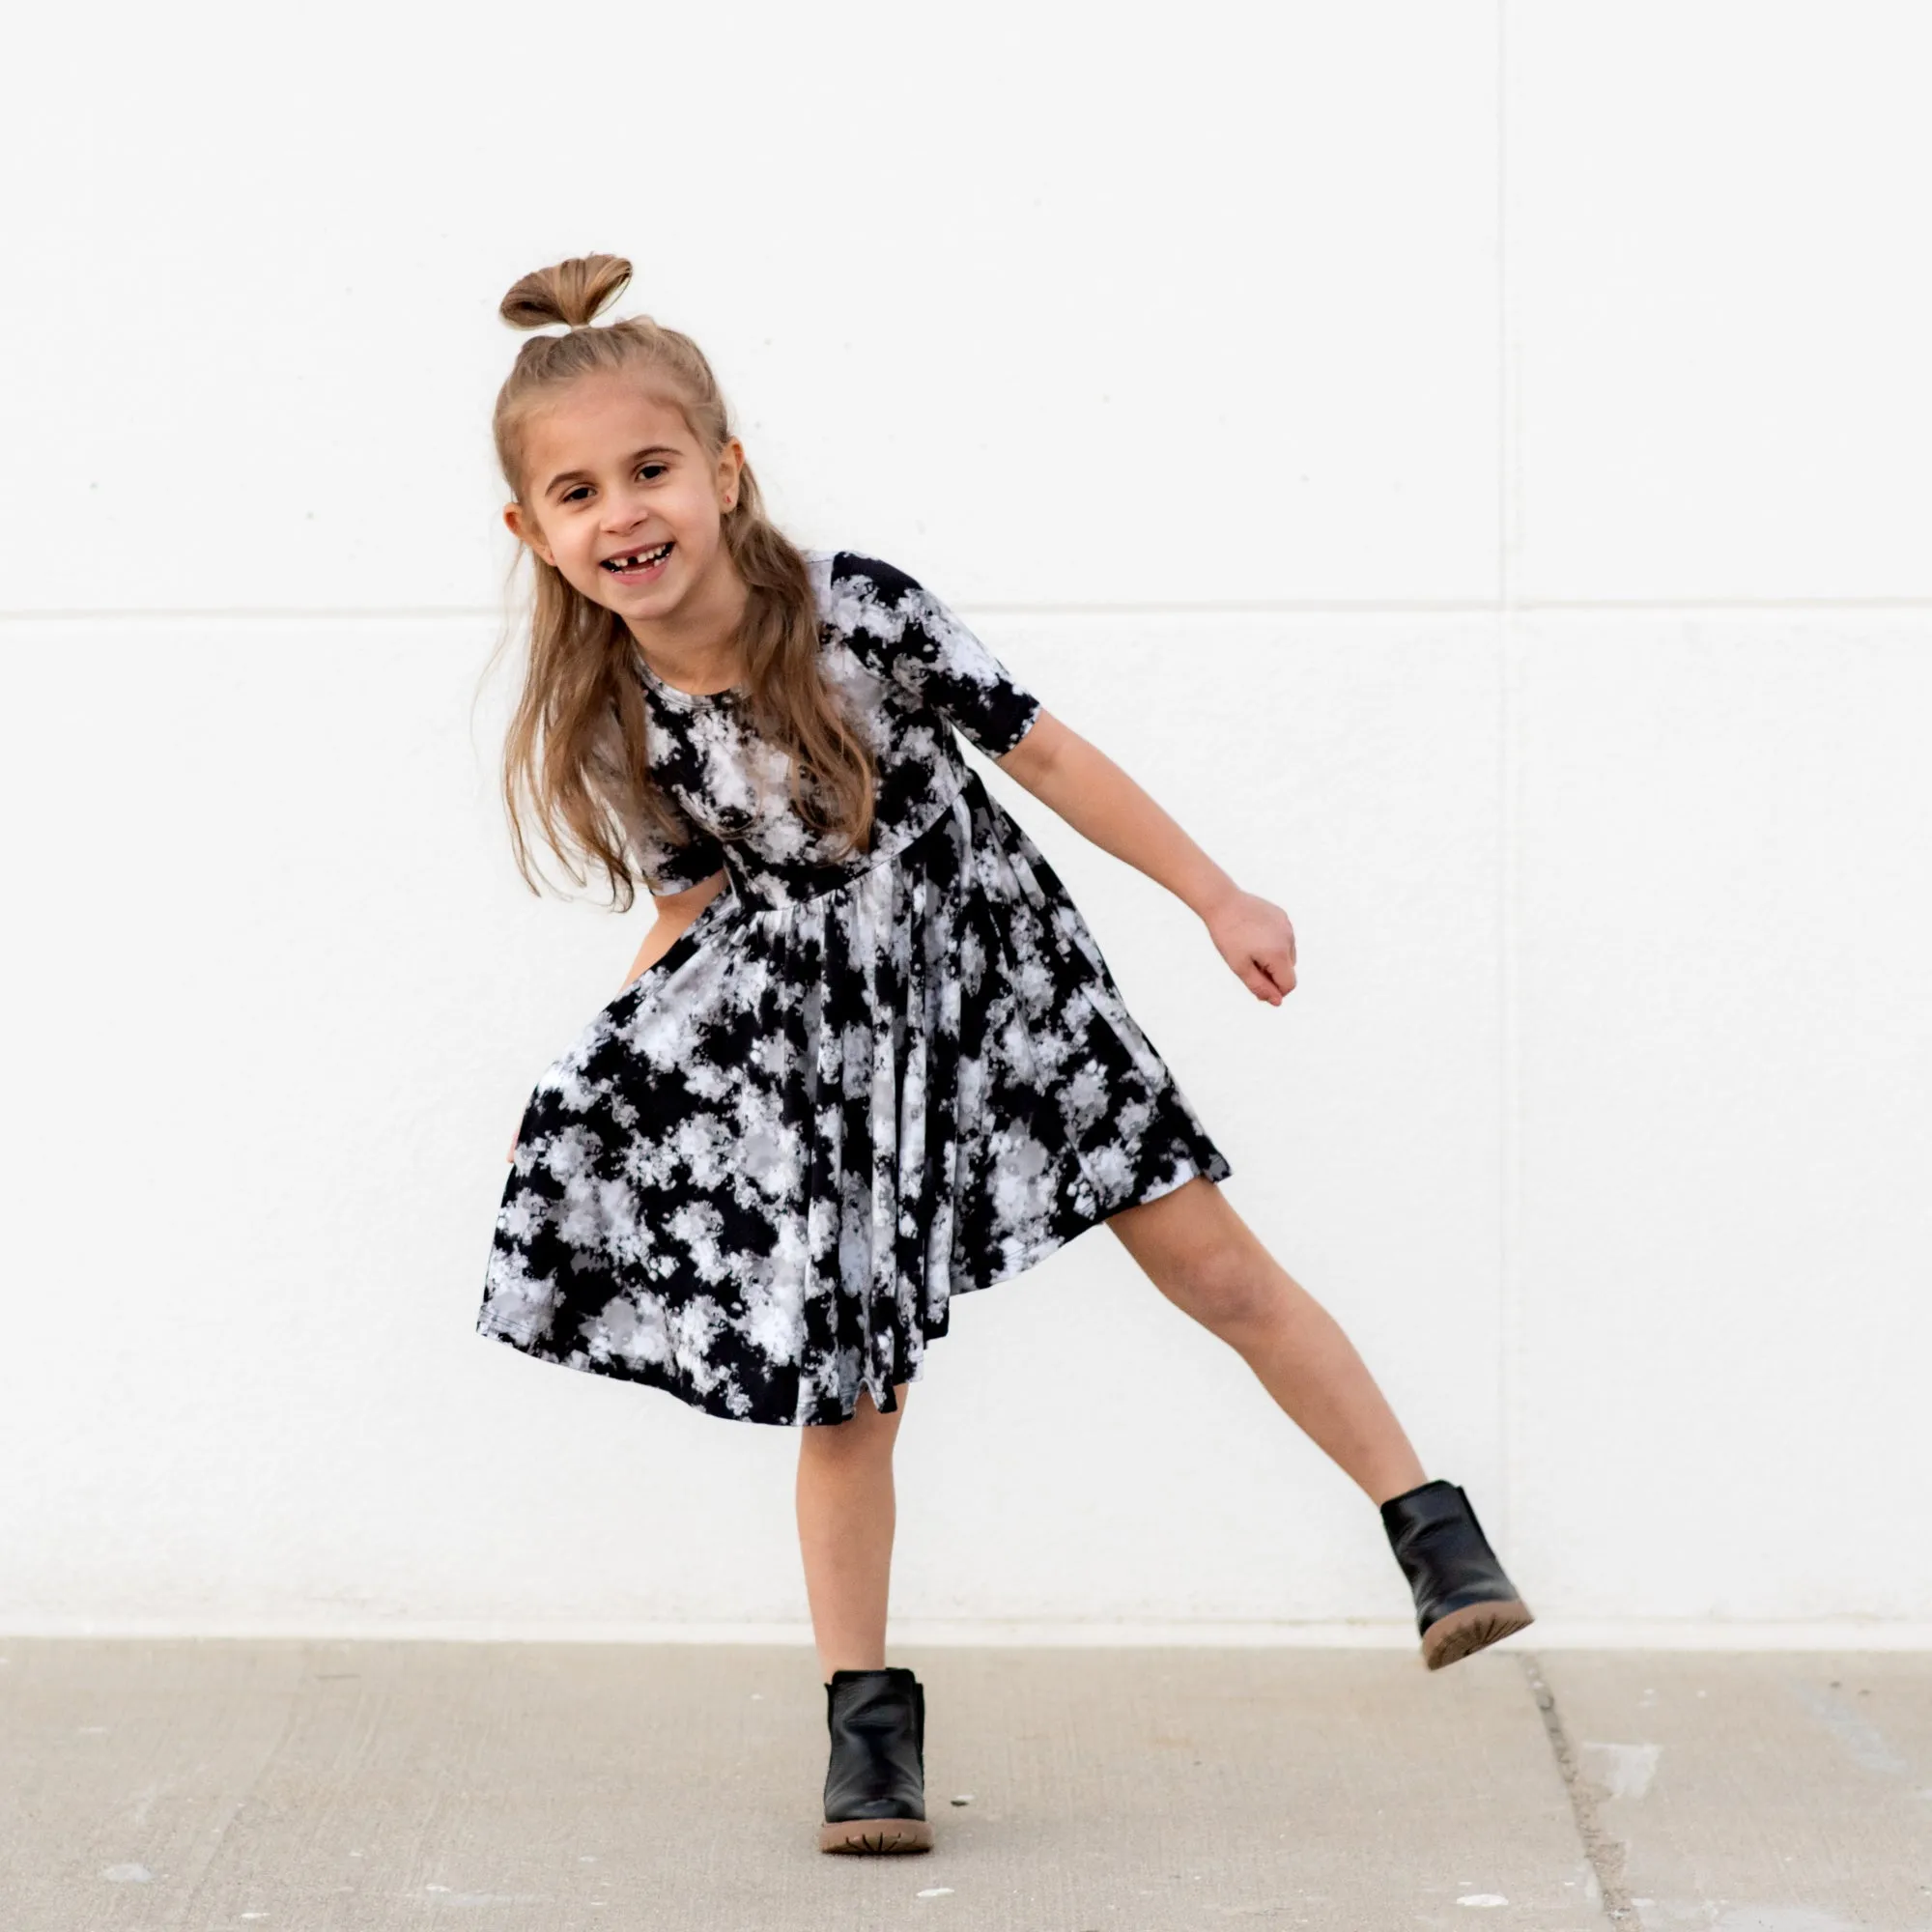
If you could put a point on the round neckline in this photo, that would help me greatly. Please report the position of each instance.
(677, 693)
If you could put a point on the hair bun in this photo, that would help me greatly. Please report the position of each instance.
(570, 292)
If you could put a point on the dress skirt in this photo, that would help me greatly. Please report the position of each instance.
(757, 1177)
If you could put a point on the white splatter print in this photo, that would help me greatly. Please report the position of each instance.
(855, 1086)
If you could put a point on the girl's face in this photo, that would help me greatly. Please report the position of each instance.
(623, 501)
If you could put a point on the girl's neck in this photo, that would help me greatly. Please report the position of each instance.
(696, 647)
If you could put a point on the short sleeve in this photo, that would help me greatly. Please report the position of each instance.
(663, 866)
(908, 635)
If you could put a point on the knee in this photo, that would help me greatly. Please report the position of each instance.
(1224, 1288)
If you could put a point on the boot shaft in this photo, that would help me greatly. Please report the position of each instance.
(876, 1722)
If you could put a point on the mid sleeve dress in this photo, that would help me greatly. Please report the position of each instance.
(855, 1086)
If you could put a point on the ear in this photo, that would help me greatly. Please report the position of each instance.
(524, 532)
(730, 464)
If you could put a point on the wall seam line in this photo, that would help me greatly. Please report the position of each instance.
(1509, 837)
(1517, 604)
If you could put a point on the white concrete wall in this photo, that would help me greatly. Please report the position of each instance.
(1467, 461)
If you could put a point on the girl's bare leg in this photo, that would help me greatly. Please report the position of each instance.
(1209, 1262)
(845, 1519)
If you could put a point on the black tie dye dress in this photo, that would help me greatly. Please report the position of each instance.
(854, 1086)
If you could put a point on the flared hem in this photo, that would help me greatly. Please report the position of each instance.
(649, 1375)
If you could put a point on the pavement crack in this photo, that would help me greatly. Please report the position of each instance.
(1605, 1851)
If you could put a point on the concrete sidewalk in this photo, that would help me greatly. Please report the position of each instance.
(331, 1787)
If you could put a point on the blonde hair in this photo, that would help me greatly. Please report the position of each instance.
(558, 771)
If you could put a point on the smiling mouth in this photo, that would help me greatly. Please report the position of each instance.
(638, 559)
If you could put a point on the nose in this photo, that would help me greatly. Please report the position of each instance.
(624, 510)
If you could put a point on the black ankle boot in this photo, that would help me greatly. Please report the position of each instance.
(1463, 1599)
(875, 1782)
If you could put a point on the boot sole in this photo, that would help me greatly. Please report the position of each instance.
(876, 1834)
(1472, 1628)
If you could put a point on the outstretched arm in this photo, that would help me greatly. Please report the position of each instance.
(1094, 796)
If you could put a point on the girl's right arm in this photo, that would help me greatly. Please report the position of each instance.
(676, 911)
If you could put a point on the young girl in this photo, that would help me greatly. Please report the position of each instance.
(868, 1055)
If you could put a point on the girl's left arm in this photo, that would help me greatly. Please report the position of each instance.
(1094, 796)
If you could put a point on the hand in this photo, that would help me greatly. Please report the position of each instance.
(1254, 936)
